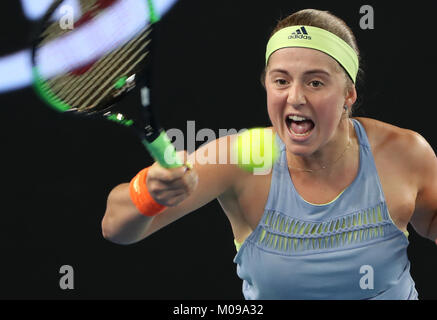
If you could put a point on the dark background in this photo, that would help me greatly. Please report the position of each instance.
(57, 171)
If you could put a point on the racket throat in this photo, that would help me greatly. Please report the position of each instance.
(151, 129)
(145, 97)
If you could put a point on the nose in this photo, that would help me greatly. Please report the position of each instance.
(296, 96)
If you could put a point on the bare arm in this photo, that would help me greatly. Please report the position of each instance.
(188, 191)
(424, 219)
(122, 223)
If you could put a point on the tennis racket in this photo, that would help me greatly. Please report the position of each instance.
(88, 66)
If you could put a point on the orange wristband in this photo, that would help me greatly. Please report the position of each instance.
(141, 197)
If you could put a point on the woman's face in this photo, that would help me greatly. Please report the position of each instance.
(306, 95)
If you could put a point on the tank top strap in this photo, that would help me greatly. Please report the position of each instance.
(361, 134)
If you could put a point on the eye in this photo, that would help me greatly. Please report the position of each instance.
(316, 84)
(280, 82)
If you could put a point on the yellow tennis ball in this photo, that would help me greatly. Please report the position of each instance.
(255, 150)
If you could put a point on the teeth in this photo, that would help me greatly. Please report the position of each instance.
(297, 118)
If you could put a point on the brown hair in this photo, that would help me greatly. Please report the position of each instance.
(324, 20)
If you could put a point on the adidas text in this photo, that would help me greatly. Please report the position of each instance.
(299, 36)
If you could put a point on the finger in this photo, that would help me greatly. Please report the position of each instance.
(187, 183)
(191, 180)
(161, 186)
(174, 201)
(164, 174)
(170, 198)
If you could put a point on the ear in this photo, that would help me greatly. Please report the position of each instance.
(351, 95)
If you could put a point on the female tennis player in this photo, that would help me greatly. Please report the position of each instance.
(330, 220)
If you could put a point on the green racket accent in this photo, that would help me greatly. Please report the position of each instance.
(120, 83)
(162, 149)
(46, 94)
(120, 119)
(154, 17)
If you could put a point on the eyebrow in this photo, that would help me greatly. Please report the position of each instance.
(308, 72)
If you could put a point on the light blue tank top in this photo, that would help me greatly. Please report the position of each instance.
(346, 249)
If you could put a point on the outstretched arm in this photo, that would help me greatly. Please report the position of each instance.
(180, 191)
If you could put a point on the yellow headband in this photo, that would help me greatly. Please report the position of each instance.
(318, 39)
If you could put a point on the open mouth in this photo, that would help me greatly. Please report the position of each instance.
(299, 126)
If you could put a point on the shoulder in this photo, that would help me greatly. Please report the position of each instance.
(382, 133)
(405, 148)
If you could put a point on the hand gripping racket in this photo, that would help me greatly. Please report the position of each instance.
(87, 67)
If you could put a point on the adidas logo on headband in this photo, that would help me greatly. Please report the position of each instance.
(300, 33)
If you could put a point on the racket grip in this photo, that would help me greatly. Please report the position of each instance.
(163, 151)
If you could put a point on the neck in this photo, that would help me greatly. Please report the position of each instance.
(328, 158)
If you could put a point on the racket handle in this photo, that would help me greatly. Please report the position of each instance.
(163, 151)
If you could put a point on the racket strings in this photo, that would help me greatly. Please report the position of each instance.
(131, 65)
(95, 86)
(87, 5)
(52, 32)
(109, 71)
(69, 87)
